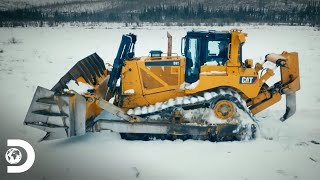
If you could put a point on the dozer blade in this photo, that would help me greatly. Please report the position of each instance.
(91, 69)
(166, 130)
(60, 115)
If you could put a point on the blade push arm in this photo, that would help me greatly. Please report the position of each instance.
(126, 50)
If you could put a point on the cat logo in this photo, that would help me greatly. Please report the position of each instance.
(247, 79)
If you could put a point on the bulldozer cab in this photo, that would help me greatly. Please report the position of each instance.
(204, 47)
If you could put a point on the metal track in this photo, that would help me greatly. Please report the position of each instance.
(222, 93)
(206, 100)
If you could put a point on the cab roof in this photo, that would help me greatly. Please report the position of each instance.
(211, 34)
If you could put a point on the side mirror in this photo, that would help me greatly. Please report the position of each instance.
(248, 63)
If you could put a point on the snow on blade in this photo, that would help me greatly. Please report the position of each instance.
(81, 88)
(109, 67)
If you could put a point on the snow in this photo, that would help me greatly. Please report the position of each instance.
(129, 91)
(158, 106)
(200, 98)
(183, 85)
(155, 117)
(137, 111)
(112, 100)
(193, 100)
(151, 109)
(179, 100)
(118, 82)
(186, 100)
(193, 85)
(130, 112)
(214, 73)
(211, 63)
(283, 150)
(207, 96)
(189, 86)
(214, 94)
(109, 68)
(205, 114)
(164, 106)
(80, 89)
(144, 110)
(171, 102)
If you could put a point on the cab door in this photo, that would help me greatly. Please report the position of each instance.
(192, 53)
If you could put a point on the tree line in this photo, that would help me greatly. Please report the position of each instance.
(308, 15)
(199, 13)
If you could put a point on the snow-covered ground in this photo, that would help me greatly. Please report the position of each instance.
(42, 55)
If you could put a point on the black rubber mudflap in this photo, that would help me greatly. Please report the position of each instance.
(89, 68)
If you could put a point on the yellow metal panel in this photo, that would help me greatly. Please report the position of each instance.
(175, 70)
(237, 37)
(162, 75)
(131, 78)
(213, 68)
(154, 73)
(211, 81)
(131, 101)
(290, 73)
(274, 99)
(151, 84)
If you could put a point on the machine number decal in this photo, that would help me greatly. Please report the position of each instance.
(176, 63)
(247, 79)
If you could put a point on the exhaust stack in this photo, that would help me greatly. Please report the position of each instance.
(169, 44)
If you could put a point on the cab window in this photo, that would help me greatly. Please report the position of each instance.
(193, 59)
(217, 52)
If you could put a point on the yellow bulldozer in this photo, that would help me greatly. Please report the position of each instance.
(209, 92)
